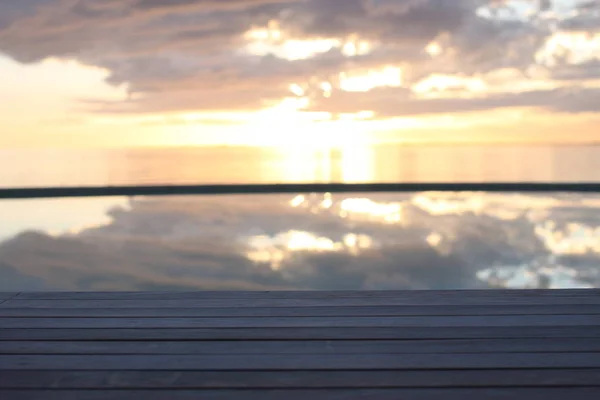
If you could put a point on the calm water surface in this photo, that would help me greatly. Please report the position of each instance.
(249, 165)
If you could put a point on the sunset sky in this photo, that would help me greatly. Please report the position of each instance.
(119, 73)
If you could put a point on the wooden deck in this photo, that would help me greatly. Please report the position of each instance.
(301, 345)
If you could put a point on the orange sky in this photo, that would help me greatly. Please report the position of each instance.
(174, 97)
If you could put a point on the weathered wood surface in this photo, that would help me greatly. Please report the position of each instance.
(297, 345)
(302, 322)
(225, 362)
(297, 379)
(546, 393)
(5, 296)
(377, 333)
(449, 346)
(371, 311)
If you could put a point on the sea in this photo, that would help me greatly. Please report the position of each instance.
(303, 241)
(353, 164)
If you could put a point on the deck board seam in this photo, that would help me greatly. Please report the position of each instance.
(15, 295)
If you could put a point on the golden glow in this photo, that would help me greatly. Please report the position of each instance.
(327, 89)
(361, 115)
(50, 88)
(297, 90)
(284, 124)
(434, 49)
(358, 164)
(297, 201)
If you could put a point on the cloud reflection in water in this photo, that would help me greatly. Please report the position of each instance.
(383, 241)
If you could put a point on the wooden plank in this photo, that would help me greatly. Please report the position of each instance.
(373, 311)
(290, 362)
(291, 322)
(308, 347)
(307, 302)
(315, 394)
(301, 333)
(306, 294)
(101, 380)
(7, 295)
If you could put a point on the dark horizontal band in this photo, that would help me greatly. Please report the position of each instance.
(58, 192)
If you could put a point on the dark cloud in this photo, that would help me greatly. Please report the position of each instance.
(587, 18)
(12, 11)
(579, 72)
(94, 31)
(196, 5)
(13, 278)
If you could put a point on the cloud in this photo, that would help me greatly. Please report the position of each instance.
(209, 55)
(579, 72)
(199, 5)
(586, 17)
(441, 241)
(391, 102)
(12, 11)
(189, 244)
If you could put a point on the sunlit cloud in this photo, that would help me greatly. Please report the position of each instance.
(570, 48)
(355, 47)
(294, 50)
(273, 40)
(276, 250)
(387, 212)
(364, 81)
(574, 238)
